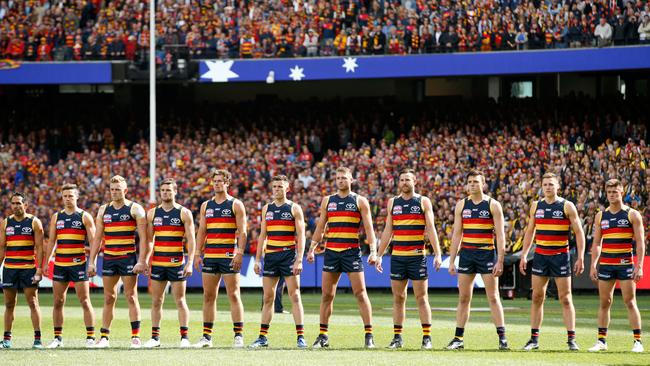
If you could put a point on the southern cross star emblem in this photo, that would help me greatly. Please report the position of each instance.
(297, 73)
(350, 63)
(219, 71)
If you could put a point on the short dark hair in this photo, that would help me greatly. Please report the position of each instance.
(614, 183)
(170, 181)
(407, 171)
(18, 194)
(474, 173)
(280, 178)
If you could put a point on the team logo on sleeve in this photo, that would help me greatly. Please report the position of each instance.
(269, 216)
(209, 212)
(331, 206)
(9, 231)
(539, 214)
(604, 224)
(108, 219)
(397, 210)
(467, 214)
(157, 221)
(60, 224)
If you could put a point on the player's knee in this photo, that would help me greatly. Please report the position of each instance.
(606, 303)
(209, 297)
(268, 299)
(85, 303)
(10, 305)
(32, 302)
(131, 298)
(464, 299)
(630, 302)
(157, 302)
(180, 302)
(234, 296)
(565, 300)
(493, 299)
(360, 294)
(327, 297)
(58, 302)
(421, 299)
(538, 297)
(295, 297)
(109, 299)
(399, 298)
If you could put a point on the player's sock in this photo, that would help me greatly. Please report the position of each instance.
(184, 331)
(571, 335)
(58, 333)
(397, 330)
(104, 332)
(90, 332)
(426, 330)
(637, 334)
(135, 329)
(207, 330)
(155, 333)
(367, 328)
(37, 335)
(323, 329)
(238, 328)
(501, 332)
(300, 330)
(534, 334)
(602, 335)
(460, 332)
(264, 330)
(6, 336)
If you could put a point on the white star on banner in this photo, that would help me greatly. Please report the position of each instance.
(219, 71)
(297, 73)
(350, 63)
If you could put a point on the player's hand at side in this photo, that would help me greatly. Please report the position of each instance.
(372, 259)
(198, 262)
(257, 268)
(498, 269)
(522, 265)
(437, 262)
(579, 266)
(297, 267)
(140, 268)
(593, 274)
(237, 261)
(638, 273)
(452, 268)
(378, 266)
(92, 270)
(310, 256)
(187, 270)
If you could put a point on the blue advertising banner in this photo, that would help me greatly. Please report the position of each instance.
(430, 65)
(12, 72)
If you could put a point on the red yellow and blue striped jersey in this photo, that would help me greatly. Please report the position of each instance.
(551, 228)
(70, 239)
(280, 228)
(119, 232)
(408, 226)
(221, 229)
(169, 231)
(478, 225)
(343, 222)
(19, 235)
(618, 236)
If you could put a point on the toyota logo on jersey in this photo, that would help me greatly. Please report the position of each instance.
(286, 215)
(175, 221)
(558, 213)
(27, 230)
(350, 206)
(415, 209)
(125, 217)
(623, 222)
(484, 213)
(226, 212)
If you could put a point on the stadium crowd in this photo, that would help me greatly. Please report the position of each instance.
(514, 142)
(42, 30)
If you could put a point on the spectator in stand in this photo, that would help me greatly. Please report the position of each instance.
(644, 29)
(603, 33)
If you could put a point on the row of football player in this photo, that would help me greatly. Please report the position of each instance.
(478, 225)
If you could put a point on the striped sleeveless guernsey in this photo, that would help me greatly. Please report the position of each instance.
(478, 225)
(408, 226)
(19, 251)
(119, 232)
(70, 239)
(221, 229)
(169, 231)
(280, 228)
(551, 228)
(343, 222)
(618, 234)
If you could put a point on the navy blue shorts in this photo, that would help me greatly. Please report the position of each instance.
(408, 268)
(346, 261)
(557, 265)
(76, 273)
(172, 274)
(18, 278)
(613, 273)
(119, 267)
(218, 266)
(279, 263)
(472, 261)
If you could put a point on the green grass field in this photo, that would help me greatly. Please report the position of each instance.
(346, 335)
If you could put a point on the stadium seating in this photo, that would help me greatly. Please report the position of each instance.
(99, 30)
